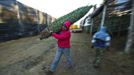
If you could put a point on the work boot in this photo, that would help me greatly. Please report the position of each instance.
(96, 65)
(49, 72)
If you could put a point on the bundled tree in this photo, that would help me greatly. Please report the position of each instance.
(72, 17)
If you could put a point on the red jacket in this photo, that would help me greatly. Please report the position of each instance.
(63, 39)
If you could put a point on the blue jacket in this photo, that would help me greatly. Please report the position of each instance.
(101, 39)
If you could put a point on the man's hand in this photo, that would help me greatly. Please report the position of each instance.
(51, 32)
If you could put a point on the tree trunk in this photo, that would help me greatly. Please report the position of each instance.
(103, 15)
(130, 39)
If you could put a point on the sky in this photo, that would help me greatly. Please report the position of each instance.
(58, 8)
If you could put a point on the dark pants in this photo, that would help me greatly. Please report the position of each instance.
(99, 56)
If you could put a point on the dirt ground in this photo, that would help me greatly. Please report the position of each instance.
(29, 56)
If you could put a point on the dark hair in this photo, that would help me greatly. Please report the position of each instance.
(64, 25)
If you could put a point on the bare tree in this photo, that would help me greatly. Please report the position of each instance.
(130, 39)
